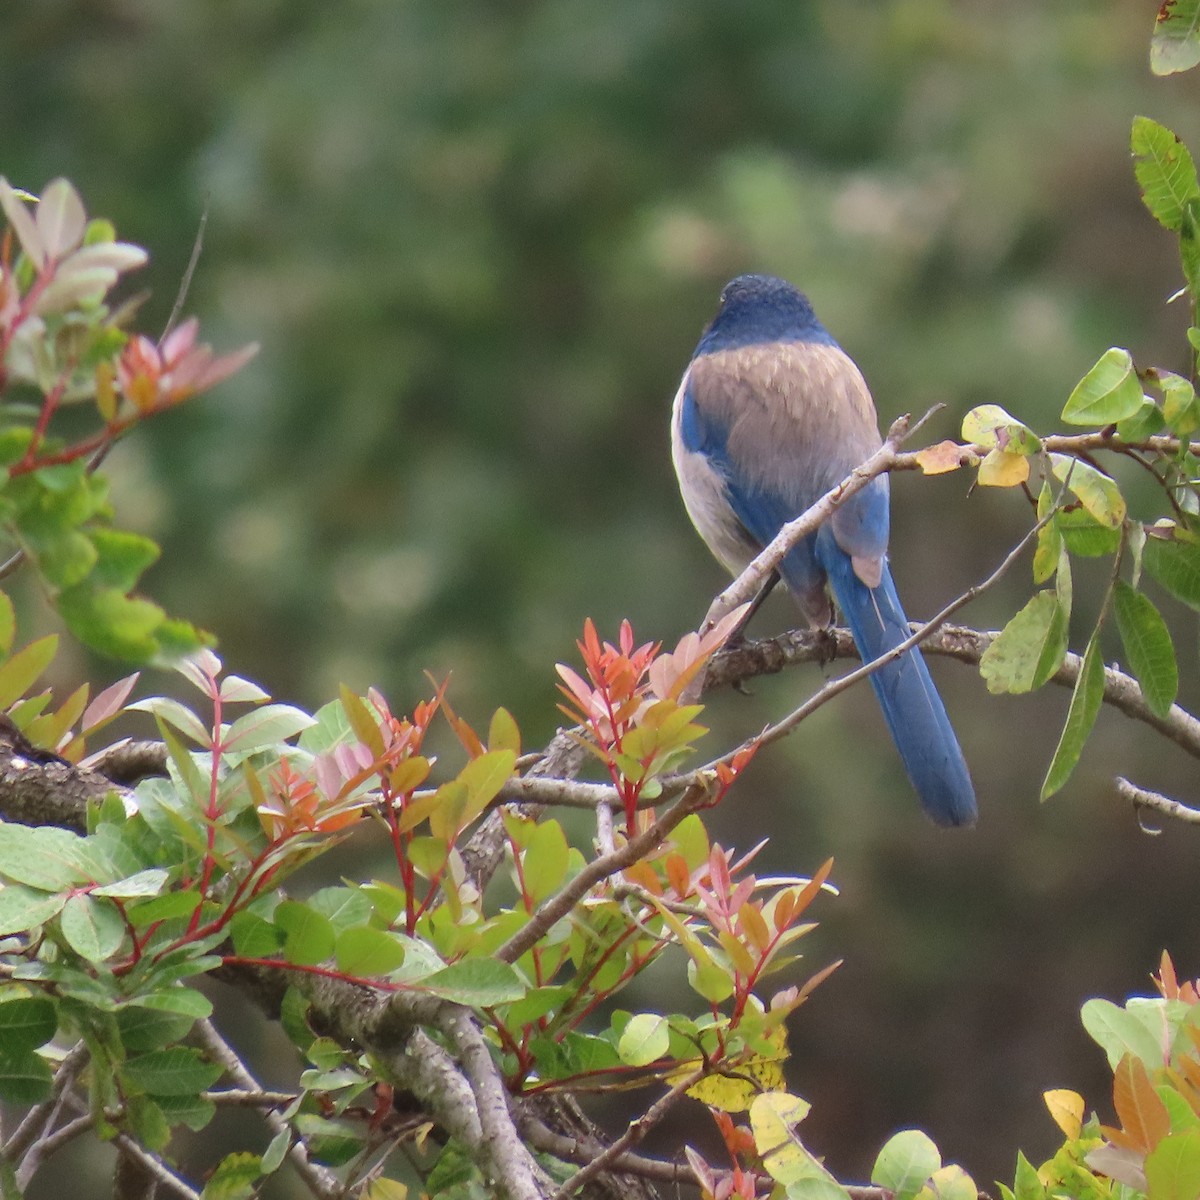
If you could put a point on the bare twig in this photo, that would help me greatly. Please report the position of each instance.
(38, 1119)
(185, 283)
(322, 1183)
(1156, 802)
(608, 1159)
(46, 1145)
(583, 1150)
(836, 686)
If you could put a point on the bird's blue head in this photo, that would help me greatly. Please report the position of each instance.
(760, 308)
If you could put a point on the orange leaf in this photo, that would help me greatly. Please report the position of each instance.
(678, 875)
(1167, 983)
(937, 460)
(642, 874)
(812, 888)
(753, 926)
(1142, 1114)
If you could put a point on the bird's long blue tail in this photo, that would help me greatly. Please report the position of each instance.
(910, 702)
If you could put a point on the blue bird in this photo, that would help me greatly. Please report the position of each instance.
(770, 415)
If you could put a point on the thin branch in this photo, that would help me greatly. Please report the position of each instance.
(45, 1146)
(637, 1130)
(38, 1119)
(1068, 443)
(512, 1168)
(156, 1167)
(185, 283)
(582, 1151)
(750, 582)
(1156, 802)
(322, 1183)
(561, 903)
(836, 686)
(247, 1098)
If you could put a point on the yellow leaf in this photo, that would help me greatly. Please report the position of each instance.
(106, 393)
(773, 1118)
(988, 423)
(1066, 1107)
(937, 460)
(749, 1075)
(1001, 469)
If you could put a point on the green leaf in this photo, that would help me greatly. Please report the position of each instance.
(176, 1071)
(147, 1029)
(477, 982)
(168, 907)
(25, 1078)
(276, 1151)
(1165, 172)
(65, 559)
(644, 1040)
(182, 1001)
(1148, 647)
(1029, 649)
(1083, 536)
(1173, 1167)
(193, 1111)
(1129, 1030)
(503, 733)
(1189, 245)
(484, 777)
(43, 858)
(18, 674)
(1049, 549)
(144, 883)
(1098, 494)
(1176, 565)
(266, 726)
(1145, 423)
(363, 951)
(344, 906)
(950, 1183)
(1027, 1185)
(176, 715)
(92, 928)
(235, 1178)
(22, 908)
(1175, 45)
(254, 937)
(8, 623)
(1181, 409)
(906, 1161)
(1086, 699)
(27, 1023)
(331, 1142)
(544, 864)
(1108, 393)
(310, 935)
(111, 622)
(711, 979)
(818, 1185)
(123, 557)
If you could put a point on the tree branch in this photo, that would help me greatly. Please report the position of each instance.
(1156, 802)
(557, 906)
(322, 1183)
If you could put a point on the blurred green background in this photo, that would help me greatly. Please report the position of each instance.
(478, 241)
